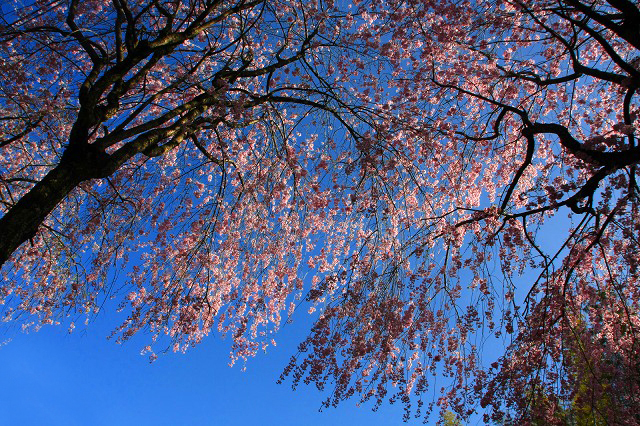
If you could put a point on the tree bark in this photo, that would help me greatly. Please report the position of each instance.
(22, 221)
(79, 162)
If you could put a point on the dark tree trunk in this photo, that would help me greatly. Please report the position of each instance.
(79, 163)
(22, 221)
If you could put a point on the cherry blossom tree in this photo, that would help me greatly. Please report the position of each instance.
(165, 136)
(437, 179)
(513, 218)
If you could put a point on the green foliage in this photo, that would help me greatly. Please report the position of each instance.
(449, 418)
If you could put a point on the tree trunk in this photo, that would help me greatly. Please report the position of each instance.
(22, 220)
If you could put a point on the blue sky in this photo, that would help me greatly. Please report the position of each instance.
(51, 378)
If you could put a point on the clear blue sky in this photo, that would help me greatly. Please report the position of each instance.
(51, 378)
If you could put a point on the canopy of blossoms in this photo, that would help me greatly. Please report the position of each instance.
(436, 179)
